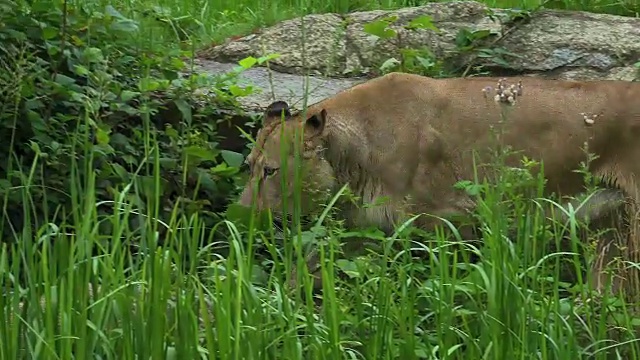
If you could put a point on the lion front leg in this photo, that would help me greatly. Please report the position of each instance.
(312, 262)
(354, 247)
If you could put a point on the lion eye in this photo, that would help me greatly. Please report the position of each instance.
(269, 171)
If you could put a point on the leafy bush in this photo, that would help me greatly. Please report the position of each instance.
(78, 89)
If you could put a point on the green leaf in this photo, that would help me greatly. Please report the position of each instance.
(380, 29)
(5, 185)
(64, 80)
(389, 64)
(168, 163)
(148, 85)
(111, 11)
(241, 215)
(124, 26)
(49, 33)
(120, 171)
(80, 70)
(232, 158)
(35, 147)
(463, 38)
(127, 95)
(93, 55)
(425, 62)
(480, 34)
(206, 181)
(348, 267)
(147, 186)
(121, 141)
(171, 132)
(422, 22)
(102, 136)
(248, 62)
(238, 91)
(200, 153)
(185, 109)
(501, 62)
(224, 170)
(177, 63)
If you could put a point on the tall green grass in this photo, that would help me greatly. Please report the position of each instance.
(74, 291)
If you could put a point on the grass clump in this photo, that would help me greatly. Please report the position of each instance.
(116, 245)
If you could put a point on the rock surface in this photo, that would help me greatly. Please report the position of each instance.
(272, 85)
(549, 43)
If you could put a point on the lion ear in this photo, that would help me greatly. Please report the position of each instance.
(276, 110)
(315, 124)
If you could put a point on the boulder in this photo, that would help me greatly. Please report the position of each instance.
(555, 43)
(322, 54)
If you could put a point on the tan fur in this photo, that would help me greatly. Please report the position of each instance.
(410, 138)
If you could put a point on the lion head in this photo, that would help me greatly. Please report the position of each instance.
(288, 147)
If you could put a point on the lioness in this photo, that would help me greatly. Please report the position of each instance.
(410, 138)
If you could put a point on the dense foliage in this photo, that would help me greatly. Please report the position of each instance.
(82, 87)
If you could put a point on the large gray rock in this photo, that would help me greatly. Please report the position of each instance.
(567, 40)
(334, 45)
(336, 51)
(556, 43)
